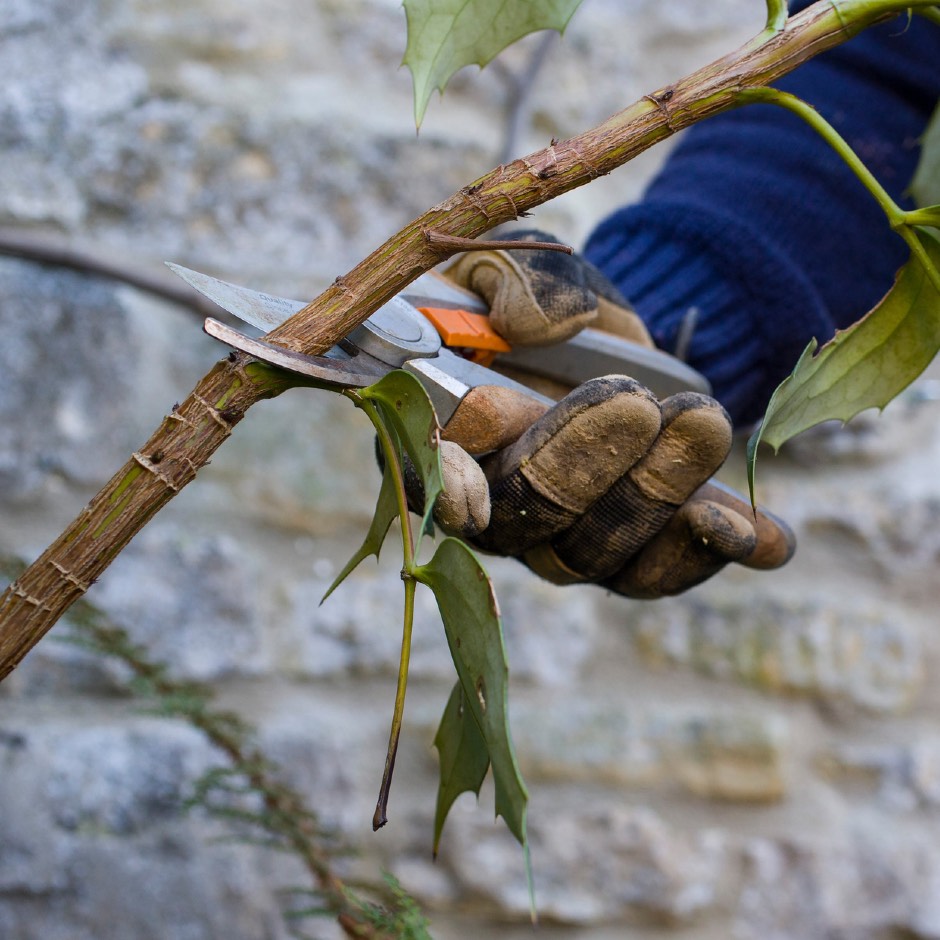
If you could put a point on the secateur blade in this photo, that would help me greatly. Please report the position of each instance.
(343, 367)
(264, 311)
(355, 371)
(394, 335)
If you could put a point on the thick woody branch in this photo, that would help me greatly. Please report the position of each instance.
(194, 430)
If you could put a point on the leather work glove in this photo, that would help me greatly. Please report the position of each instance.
(609, 485)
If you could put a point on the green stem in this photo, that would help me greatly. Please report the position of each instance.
(380, 818)
(811, 116)
(928, 216)
(902, 221)
(777, 14)
(931, 13)
(393, 462)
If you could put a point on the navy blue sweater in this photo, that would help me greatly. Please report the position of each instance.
(756, 223)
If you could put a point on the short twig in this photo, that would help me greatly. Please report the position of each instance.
(456, 243)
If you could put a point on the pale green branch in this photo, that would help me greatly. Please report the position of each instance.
(928, 216)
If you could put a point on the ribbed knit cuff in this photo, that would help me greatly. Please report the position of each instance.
(754, 310)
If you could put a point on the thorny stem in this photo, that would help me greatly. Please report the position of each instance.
(456, 243)
(191, 434)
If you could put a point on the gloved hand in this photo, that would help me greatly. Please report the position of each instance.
(609, 485)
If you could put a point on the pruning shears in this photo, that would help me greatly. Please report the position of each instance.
(440, 333)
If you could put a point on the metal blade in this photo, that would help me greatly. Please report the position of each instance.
(395, 333)
(264, 311)
(356, 371)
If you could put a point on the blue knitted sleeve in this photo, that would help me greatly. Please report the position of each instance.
(758, 226)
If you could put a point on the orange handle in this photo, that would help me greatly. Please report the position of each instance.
(463, 330)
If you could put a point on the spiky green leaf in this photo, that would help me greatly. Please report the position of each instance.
(446, 35)
(407, 411)
(403, 407)
(470, 613)
(925, 187)
(386, 509)
(464, 758)
(864, 366)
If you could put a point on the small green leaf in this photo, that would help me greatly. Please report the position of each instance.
(446, 35)
(864, 366)
(406, 409)
(474, 633)
(925, 187)
(464, 758)
(386, 509)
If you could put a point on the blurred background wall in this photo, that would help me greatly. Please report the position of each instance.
(757, 759)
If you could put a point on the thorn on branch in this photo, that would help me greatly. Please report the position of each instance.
(455, 243)
(661, 99)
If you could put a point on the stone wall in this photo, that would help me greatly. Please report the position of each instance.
(757, 759)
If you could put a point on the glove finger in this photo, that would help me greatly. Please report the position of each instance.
(541, 484)
(463, 508)
(693, 444)
(776, 542)
(697, 542)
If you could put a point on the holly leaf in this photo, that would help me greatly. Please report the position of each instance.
(402, 406)
(464, 758)
(407, 412)
(446, 35)
(474, 632)
(386, 509)
(925, 187)
(861, 367)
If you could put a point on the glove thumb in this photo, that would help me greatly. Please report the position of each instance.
(463, 509)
